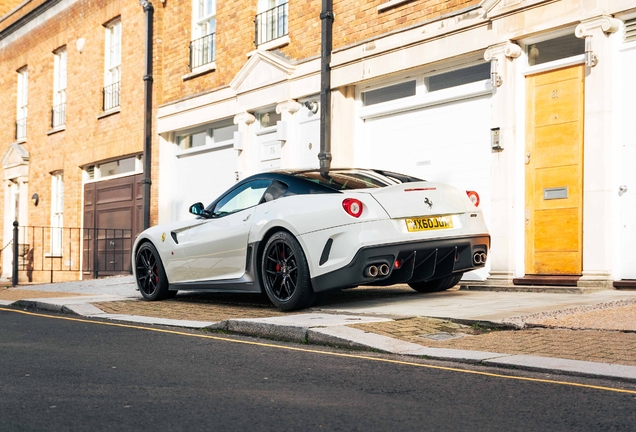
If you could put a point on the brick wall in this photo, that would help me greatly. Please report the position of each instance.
(360, 20)
(355, 21)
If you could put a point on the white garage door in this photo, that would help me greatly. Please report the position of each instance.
(448, 143)
(628, 173)
(202, 177)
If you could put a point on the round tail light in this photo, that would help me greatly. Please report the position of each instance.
(474, 197)
(352, 206)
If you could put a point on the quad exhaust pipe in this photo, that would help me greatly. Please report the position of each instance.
(480, 258)
(375, 270)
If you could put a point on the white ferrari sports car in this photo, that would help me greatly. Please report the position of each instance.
(293, 234)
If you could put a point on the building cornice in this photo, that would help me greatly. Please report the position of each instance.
(28, 17)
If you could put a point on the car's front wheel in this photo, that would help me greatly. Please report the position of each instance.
(436, 285)
(285, 273)
(151, 276)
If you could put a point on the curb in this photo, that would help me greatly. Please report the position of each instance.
(331, 330)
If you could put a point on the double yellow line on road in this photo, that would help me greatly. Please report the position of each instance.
(328, 353)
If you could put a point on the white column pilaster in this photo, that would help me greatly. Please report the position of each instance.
(503, 241)
(597, 154)
(244, 121)
(289, 147)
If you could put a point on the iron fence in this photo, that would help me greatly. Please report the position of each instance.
(271, 24)
(20, 128)
(110, 96)
(41, 251)
(58, 115)
(202, 51)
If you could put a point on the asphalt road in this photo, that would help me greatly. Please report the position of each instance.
(62, 373)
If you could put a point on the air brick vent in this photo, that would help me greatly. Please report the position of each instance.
(630, 30)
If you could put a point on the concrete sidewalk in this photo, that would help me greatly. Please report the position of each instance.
(590, 334)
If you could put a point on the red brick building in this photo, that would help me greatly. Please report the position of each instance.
(72, 133)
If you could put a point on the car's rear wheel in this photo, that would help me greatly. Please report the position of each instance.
(151, 276)
(285, 273)
(436, 285)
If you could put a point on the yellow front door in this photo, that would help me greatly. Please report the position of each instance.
(554, 172)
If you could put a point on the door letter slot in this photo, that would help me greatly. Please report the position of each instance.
(555, 193)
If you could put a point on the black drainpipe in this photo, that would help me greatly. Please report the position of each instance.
(146, 182)
(325, 84)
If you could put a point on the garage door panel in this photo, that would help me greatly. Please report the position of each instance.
(448, 143)
(202, 177)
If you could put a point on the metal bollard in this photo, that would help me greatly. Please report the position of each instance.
(14, 276)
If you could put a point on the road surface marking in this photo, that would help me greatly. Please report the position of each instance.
(330, 353)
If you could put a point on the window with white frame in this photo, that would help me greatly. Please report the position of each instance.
(271, 21)
(202, 47)
(57, 212)
(23, 99)
(114, 168)
(58, 114)
(112, 61)
(217, 134)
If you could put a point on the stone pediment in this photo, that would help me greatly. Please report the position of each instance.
(16, 155)
(261, 70)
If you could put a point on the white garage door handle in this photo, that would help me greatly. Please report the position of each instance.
(622, 189)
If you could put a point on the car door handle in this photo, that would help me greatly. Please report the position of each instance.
(247, 217)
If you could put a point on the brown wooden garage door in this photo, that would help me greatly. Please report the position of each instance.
(113, 217)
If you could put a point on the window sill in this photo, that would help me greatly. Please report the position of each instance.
(391, 4)
(273, 44)
(52, 255)
(56, 130)
(200, 71)
(110, 112)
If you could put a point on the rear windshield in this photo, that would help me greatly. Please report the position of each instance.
(354, 179)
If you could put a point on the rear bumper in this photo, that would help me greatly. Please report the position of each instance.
(420, 261)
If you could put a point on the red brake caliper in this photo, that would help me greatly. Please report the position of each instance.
(282, 257)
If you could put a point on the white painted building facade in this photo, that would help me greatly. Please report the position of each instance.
(456, 100)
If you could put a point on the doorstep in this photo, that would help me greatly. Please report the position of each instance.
(510, 287)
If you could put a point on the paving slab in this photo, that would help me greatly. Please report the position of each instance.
(477, 305)
(122, 286)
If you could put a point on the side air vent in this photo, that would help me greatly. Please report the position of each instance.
(90, 170)
(324, 257)
(630, 30)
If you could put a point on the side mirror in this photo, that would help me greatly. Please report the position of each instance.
(198, 209)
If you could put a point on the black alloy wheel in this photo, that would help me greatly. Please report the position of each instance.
(285, 273)
(151, 276)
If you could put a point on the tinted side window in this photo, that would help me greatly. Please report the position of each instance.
(274, 191)
(245, 196)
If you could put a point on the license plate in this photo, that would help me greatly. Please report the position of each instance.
(430, 223)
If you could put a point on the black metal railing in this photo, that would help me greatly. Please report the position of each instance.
(110, 96)
(58, 115)
(41, 251)
(271, 24)
(202, 51)
(20, 128)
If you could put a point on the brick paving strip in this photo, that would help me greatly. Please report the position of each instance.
(15, 294)
(196, 311)
(604, 333)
